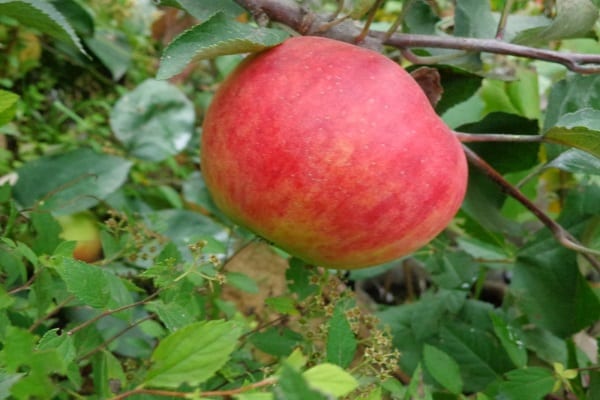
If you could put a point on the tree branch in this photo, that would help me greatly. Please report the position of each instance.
(560, 233)
(497, 137)
(306, 22)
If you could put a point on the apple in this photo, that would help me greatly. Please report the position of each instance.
(82, 228)
(333, 153)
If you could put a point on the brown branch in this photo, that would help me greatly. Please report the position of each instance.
(559, 233)
(306, 22)
(114, 337)
(111, 312)
(51, 313)
(497, 137)
(220, 393)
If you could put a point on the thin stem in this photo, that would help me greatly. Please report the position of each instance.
(497, 137)
(114, 337)
(54, 311)
(405, 7)
(574, 61)
(535, 171)
(504, 19)
(370, 17)
(111, 312)
(155, 392)
(559, 233)
(209, 393)
(338, 10)
(27, 284)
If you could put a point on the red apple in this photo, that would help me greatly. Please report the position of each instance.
(333, 153)
(83, 229)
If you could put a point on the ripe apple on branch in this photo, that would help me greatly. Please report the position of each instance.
(333, 152)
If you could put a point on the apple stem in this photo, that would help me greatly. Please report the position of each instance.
(560, 234)
(496, 137)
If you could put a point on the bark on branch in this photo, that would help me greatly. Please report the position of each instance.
(306, 22)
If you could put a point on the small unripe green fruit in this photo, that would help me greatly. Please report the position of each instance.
(83, 229)
(333, 153)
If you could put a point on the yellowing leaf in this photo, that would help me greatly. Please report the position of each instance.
(330, 379)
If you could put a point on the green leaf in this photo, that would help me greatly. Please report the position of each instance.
(19, 352)
(291, 385)
(216, 37)
(420, 18)
(195, 191)
(88, 283)
(12, 266)
(551, 290)
(574, 18)
(204, 9)
(42, 16)
(8, 106)
(173, 315)
(414, 389)
(70, 182)
(78, 16)
(47, 231)
(92, 285)
(106, 369)
(64, 344)
(330, 379)
(519, 96)
(580, 129)
(6, 300)
(154, 121)
(17, 348)
(576, 161)
(192, 354)
(298, 279)
(341, 342)
(111, 47)
(481, 358)
(254, 396)
(185, 227)
(527, 383)
(279, 342)
(243, 282)
(443, 368)
(296, 360)
(565, 97)
(7, 381)
(458, 86)
(481, 250)
(505, 157)
(512, 344)
(473, 18)
(452, 270)
(283, 305)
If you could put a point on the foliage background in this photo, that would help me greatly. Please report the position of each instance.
(185, 304)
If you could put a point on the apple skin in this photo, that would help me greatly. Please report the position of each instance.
(333, 153)
(82, 228)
